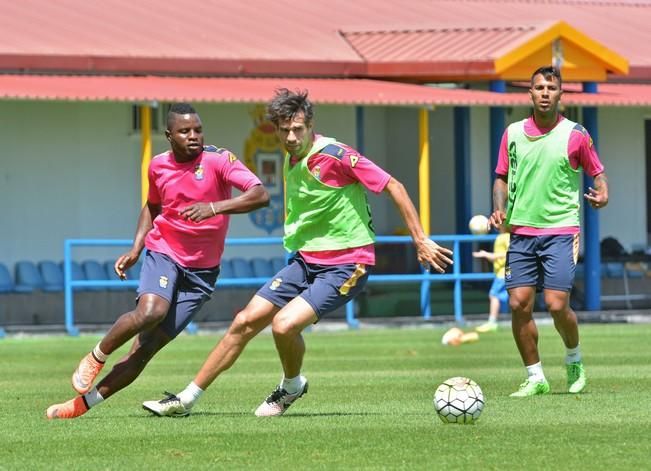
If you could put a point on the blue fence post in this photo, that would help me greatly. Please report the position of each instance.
(67, 286)
(192, 328)
(496, 123)
(456, 270)
(352, 322)
(462, 182)
(592, 251)
(425, 297)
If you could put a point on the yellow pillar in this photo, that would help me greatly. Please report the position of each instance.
(145, 155)
(423, 169)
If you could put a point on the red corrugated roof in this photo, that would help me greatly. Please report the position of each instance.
(464, 44)
(232, 90)
(622, 26)
(256, 37)
(451, 52)
(631, 95)
(259, 90)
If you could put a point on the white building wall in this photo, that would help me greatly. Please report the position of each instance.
(482, 175)
(72, 170)
(375, 148)
(68, 170)
(442, 202)
(621, 149)
(402, 137)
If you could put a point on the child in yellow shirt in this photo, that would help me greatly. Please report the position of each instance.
(497, 293)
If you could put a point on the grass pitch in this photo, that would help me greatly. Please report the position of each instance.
(369, 406)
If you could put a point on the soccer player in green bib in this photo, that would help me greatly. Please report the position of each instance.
(537, 195)
(328, 226)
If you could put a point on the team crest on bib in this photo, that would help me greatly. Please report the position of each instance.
(162, 281)
(275, 284)
(198, 172)
(507, 273)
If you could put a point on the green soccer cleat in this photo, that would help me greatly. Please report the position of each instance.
(532, 388)
(575, 377)
(486, 327)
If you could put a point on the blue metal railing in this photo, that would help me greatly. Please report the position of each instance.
(425, 278)
(70, 284)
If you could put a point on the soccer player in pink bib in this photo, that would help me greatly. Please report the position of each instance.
(537, 195)
(183, 226)
(329, 227)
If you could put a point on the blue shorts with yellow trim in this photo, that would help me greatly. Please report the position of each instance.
(546, 262)
(324, 287)
(186, 289)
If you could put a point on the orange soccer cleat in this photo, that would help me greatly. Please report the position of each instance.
(68, 410)
(85, 374)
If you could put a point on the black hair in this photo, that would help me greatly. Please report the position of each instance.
(286, 104)
(548, 71)
(177, 109)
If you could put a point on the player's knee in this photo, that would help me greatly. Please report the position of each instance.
(241, 321)
(244, 324)
(151, 312)
(555, 309)
(283, 326)
(559, 312)
(519, 305)
(557, 305)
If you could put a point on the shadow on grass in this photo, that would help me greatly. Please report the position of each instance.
(567, 393)
(332, 414)
(249, 414)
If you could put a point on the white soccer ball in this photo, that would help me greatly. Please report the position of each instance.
(478, 224)
(459, 400)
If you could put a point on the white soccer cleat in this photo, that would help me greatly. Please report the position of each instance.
(171, 406)
(278, 402)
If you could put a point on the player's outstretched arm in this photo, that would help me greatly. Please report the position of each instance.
(490, 256)
(430, 254)
(145, 224)
(598, 196)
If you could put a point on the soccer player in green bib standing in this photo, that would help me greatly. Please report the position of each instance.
(328, 225)
(537, 194)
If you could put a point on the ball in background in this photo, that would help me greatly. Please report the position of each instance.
(478, 224)
(452, 337)
(459, 400)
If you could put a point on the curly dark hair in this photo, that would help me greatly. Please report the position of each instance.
(285, 104)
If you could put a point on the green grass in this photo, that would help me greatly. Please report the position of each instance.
(369, 406)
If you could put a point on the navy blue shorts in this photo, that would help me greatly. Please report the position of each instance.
(546, 262)
(186, 289)
(324, 287)
(498, 290)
